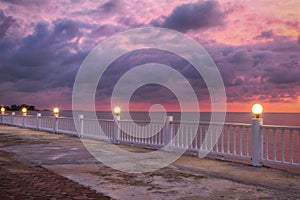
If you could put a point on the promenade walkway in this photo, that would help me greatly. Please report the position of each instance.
(41, 165)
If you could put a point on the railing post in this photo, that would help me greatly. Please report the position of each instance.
(256, 141)
(55, 125)
(24, 120)
(168, 133)
(116, 132)
(12, 118)
(80, 127)
(38, 121)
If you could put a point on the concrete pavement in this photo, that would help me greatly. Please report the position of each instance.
(187, 178)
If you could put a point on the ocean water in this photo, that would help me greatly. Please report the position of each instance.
(284, 119)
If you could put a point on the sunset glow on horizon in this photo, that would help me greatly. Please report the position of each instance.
(255, 45)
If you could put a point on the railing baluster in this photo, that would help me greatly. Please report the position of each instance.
(217, 143)
(195, 130)
(291, 146)
(200, 137)
(182, 136)
(241, 140)
(222, 140)
(274, 145)
(234, 140)
(211, 139)
(228, 140)
(205, 138)
(282, 146)
(186, 135)
(247, 142)
(267, 143)
(299, 146)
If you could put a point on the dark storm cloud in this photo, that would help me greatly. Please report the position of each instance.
(238, 57)
(41, 47)
(110, 6)
(5, 23)
(284, 73)
(49, 55)
(265, 35)
(193, 16)
(152, 92)
(268, 72)
(285, 76)
(27, 2)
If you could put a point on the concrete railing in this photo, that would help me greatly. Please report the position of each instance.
(254, 142)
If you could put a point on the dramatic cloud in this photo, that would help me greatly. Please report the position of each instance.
(5, 23)
(193, 16)
(47, 55)
(265, 35)
(255, 46)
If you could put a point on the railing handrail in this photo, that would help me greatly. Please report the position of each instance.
(281, 127)
(141, 121)
(211, 123)
(102, 120)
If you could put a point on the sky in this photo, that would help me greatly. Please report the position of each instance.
(255, 45)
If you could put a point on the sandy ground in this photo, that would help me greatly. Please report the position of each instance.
(188, 178)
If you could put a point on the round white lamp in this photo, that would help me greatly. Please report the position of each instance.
(117, 111)
(257, 109)
(2, 110)
(24, 111)
(56, 111)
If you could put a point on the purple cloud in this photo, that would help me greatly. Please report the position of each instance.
(5, 23)
(265, 35)
(193, 16)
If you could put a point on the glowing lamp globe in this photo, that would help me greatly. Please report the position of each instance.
(24, 111)
(257, 109)
(56, 110)
(117, 110)
(2, 110)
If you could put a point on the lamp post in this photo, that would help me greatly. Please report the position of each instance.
(2, 113)
(56, 111)
(257, 122)
(116, 132)
(117, 111)
(24, 111)
(2, 110)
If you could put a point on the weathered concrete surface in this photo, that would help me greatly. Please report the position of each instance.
(187, 178)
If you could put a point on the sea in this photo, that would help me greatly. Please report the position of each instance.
(280, 119)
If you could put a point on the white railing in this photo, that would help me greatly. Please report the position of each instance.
(234, 140)
(30, 121)
(66, 125)
(281, 144)
(141, 132)
(47, 124)
(97, 129)
(257, 143)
